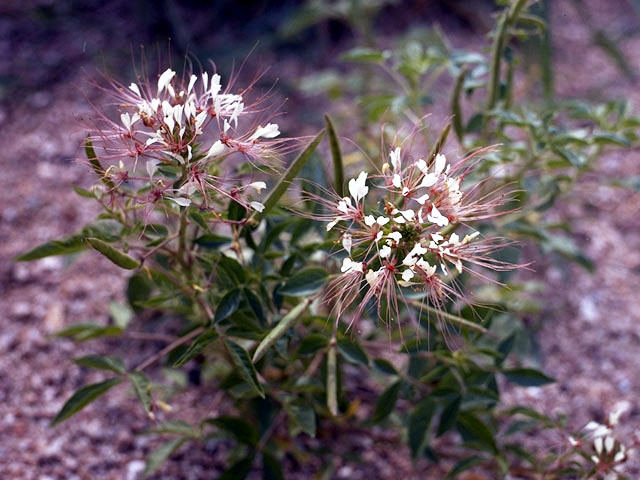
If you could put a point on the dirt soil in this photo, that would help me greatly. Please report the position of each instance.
(590, 338)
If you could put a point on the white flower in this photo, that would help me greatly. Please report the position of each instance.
(257, 206)
(128, 121)
(134, 88)
(268, 131)
(429, 180)
(347, 242)
(382, 221)
(372, 276)
(397, 181)
(608, 444)
(152, 167)
(165, 79)
(395, 236)
(215, 150)
(573, 442)
(358, 188)
(344, 205)
(427, 267)
(332, 224)
(192, 82)
(395, 159)
(407, 275)
(439, 164)
(349, 266)
(369, 220)
(468, 238)
(183, 202)
(597, 444)
(215, 85)
(436, 217)
(422, 166)
(258, 186)
(385, 251)
(422, 199)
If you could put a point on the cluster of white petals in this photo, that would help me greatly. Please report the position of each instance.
(191, 124)
(409, 240)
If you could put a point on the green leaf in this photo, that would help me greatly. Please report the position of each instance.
(121, 314)
(464, 465)
(449, 415)
(384, 366)
(83, 397)
(119, 258)
(98, 362)
(352, 351)
(271, 468)
(610, 138)
(470, 424)
(239, 470)
(177, 427)
(212, 241)
(302, 418)
(139, 289)
(230, 268)
(527, 377)
(64, 246)
(419, 422)
(198, 218)
(304, 283)
(336, 156)
(227, 305)
(86, 331)
(160, 454)
(280, 329)
(198, 345)
(242, 361)
(237, 427)
(386, 402)
(312, 343)
(365, 55)
(95, 163)
(142, 387)
(286, 179)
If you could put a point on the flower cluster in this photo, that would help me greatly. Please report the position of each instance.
(410, 240)
(599, 444)
(180, 132)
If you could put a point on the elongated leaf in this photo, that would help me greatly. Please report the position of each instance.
(116, 256)
(239, 470)
(83, 397)
(286, 179)
(336, 156)
(386, 402)
(142, 387)
(419, 422)
(237, 427)
(271, 468)
(312, 343)
(242, 361)
(449, 415)
(280, 329)
(98, 362)
(95, 163)
(365, 55)
(527, 377)
(302, 418)
(64, 246)
(470, 424)
(306, 282)
(86, 331)
(198, 345)
(227, 305)
(160, 455)
(332, 380)
(351, 350)
(212, 241)
(464, 465)
(176, 427)
(384, 366)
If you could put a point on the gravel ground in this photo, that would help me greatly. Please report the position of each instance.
(589, 341)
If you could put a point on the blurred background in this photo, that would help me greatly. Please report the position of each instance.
(583, 327)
